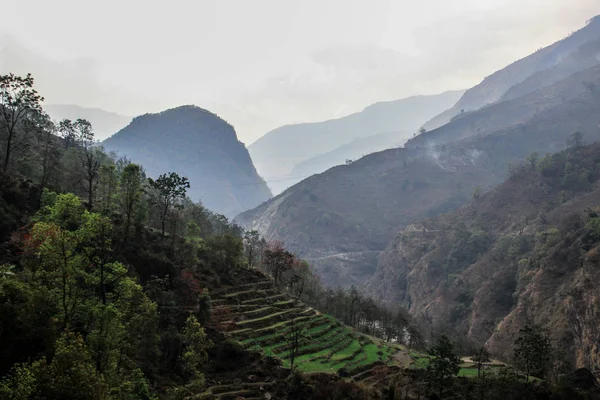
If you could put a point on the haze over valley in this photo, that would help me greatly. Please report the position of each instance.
(313, 200)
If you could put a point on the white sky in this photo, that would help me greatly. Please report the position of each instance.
(260, 64)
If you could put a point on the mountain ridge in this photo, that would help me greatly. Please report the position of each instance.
(278, 151)
(197, 144)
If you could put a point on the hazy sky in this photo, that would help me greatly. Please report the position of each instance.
(260, 64)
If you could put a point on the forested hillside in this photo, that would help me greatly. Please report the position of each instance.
(116, 285)
(199, 145)
(525, 253)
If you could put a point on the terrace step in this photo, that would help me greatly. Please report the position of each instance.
(267, 320)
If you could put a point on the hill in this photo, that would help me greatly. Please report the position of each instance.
(544, 67)
(199, 145)
(277, 152)
(351, 151)
(524, 253)
(341, 219)
(105, 123)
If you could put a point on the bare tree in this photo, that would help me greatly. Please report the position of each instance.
(294, 340)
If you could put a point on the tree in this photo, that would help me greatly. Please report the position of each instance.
(477, 192)
(533, 351)
(19, 384)
(444, 364)
(532, 160)
(71, 374)
(49, 151)
(251, 241)
(195, 354)
(18, 101)
(167, 191)
(480, 358)
(80, 136)
(108, 182)
(130, 194)
(278, 260)
(294, 341)
(575, 140)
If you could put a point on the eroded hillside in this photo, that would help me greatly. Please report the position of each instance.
(525, 253)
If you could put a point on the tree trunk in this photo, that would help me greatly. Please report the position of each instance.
(8, 149)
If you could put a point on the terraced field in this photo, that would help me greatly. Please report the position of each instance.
(260, 316)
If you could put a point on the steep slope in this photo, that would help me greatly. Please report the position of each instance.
(494, 87)
(525, 253)
(501, 115)
(199, 145)
(276, 153)
(105, 123)
(343, 218)
(351, 151)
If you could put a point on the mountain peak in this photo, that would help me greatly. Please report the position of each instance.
(200, 145)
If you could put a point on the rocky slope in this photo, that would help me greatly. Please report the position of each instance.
(544, 67)
(201, 146)
(277, 152)
(528, 252)
(342, 218)
(105, 123)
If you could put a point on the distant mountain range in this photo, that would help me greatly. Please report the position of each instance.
(282, 155)
(105, 123)
(343, 218)
(199, 145)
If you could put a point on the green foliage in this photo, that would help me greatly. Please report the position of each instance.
(71, 373)
(444, 364)
(481, 357)
(194, 355)
(533, 351)
(467, 246)
(18, 102)
(19, 384)
(130, 194)
(166, 192)
(224, 253)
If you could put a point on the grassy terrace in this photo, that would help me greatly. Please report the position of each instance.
(259, 317)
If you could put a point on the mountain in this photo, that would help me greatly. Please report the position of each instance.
(105, 123)
(277, 152)
(351, 151)
(199, 145)
(544, 67)
(342, 219)
(528, 252)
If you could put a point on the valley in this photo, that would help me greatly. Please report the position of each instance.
(424, 247)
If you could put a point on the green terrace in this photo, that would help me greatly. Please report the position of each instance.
(260, 317)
